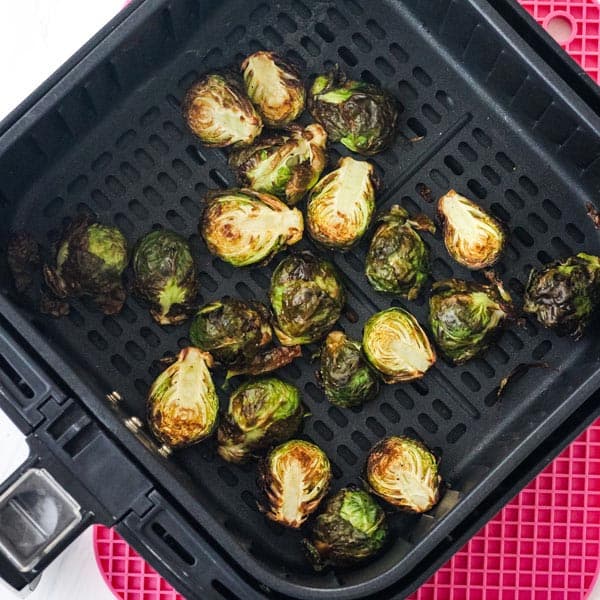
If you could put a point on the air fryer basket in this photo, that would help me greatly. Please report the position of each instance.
(479, 114)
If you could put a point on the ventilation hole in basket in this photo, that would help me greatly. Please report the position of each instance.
(470, 381)
(194, 153)
(561, 248)
(445, 100)
(541, 350)
(515, 200)
(347, 455)
(412, 433)
(114, 186)
(407, 91)
(537, 223)
(102, 161)
(155, 369)
(301, 9)
(224, 269)
(167, 182)
(141, 387)
(176, 220)
(286, 23)
(129, 172)
(439, 179)
(235, 35)
(544, 257)
(500, 212)
(128, 315)
(206, 281)
(112, 326)
(124, 223)
(125, 139)
(427, 423)
(218, 178)
(505, 162)
(273, 36)
(354, 7)
(575, 233)
(181, 169)
(158, 144)
(416, 127)
(187, 80)
(324, 32)
(53, 207)
(422, 76)
(249, 500)
(97, 340)
(190, 206)
(420, 387)
(100, 199)
(492, 176)
(296, 59)
(511, 252)
(149, 337)
(361, 441)
(404, 399)
(430, 113)
(245, 292)
(138, 209)
(339, 418)
(227, 476)
(477, 188)
(456, 433)
(467, 151)
(441, 409)
(523, 237)
(375, 427)
(512, 340)
(454, 165)
(153, 196)
(120, 364)
(389, 413)
(135, 351)
(441, 269)
(482, 138)
(313, 391)
(173, 102)
(347, 56)
(528, 185)
(384, 66)
(149, 116)
(484, 367)
(144, 160)
(552, 209)
(260, 279)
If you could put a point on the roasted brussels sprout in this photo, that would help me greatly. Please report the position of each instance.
(564, 294)
(350, 530)
(346, 377)
(341, 205)
(396, 345)
(217, 110)
(286, 164)
(165, 275)
(465, 316)
(90, 260)
(182, 403)
(274, 87)
(232, 330)
(266, 361)
(243, 227)
(404, 473)
(398, 259)
(261, 413)
(294, 478)
(472, 236)
(360, 115)
(307, 297)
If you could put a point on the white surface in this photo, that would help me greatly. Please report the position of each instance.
(36, 37)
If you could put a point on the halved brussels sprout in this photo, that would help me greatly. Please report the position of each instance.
(360, 115)
(472, 236)
(565, 293)
(165, 275)
(396, 345)
(341, 205)
(285, 164)
(404, 473)
(294, 478)
(307, 297)
(274, 87)
(398, 259)
(266, 361)
(351, 529)
(465, 316)
(347, 379)
(217, 110)
(90, 260)
(243, 227)
(261, 413)
(232, 330)
(182, 403)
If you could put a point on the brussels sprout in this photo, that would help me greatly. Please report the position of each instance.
(465, 316)
(404, 473)
(90, 260)
(261, 413)
(285, 164)
(350, 530)
(266, 361)
(165, 275)
(294, 478)
(341, 205)
(274, 86)
(360, 115)
(473, 237)
(398, 259)
(243, 227)
(233, 331)
(346, 377)
(564, 294)
(182, 403)
(307, 297)
(217, 110)
(396, 345)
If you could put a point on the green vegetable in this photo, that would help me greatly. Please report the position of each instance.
(346, 377)
(360, 115)
(398, 259)
(274, 86)
(404, 473)
(341, 205)
(165, 275)
(261, 413)
(90, 260)
(351, 529)
(307, 297)
(243, 227)
(464, 316)
(565, 294)
(293, 478)
(217, 110)
(182, 403)
(473, 237)
(396, 345)
(286, 164)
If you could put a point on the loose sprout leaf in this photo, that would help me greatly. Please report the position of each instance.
(594, 214)
(517, 373)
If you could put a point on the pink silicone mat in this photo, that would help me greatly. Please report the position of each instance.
(545, 544)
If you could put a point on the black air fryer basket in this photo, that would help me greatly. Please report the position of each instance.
(504, 118)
